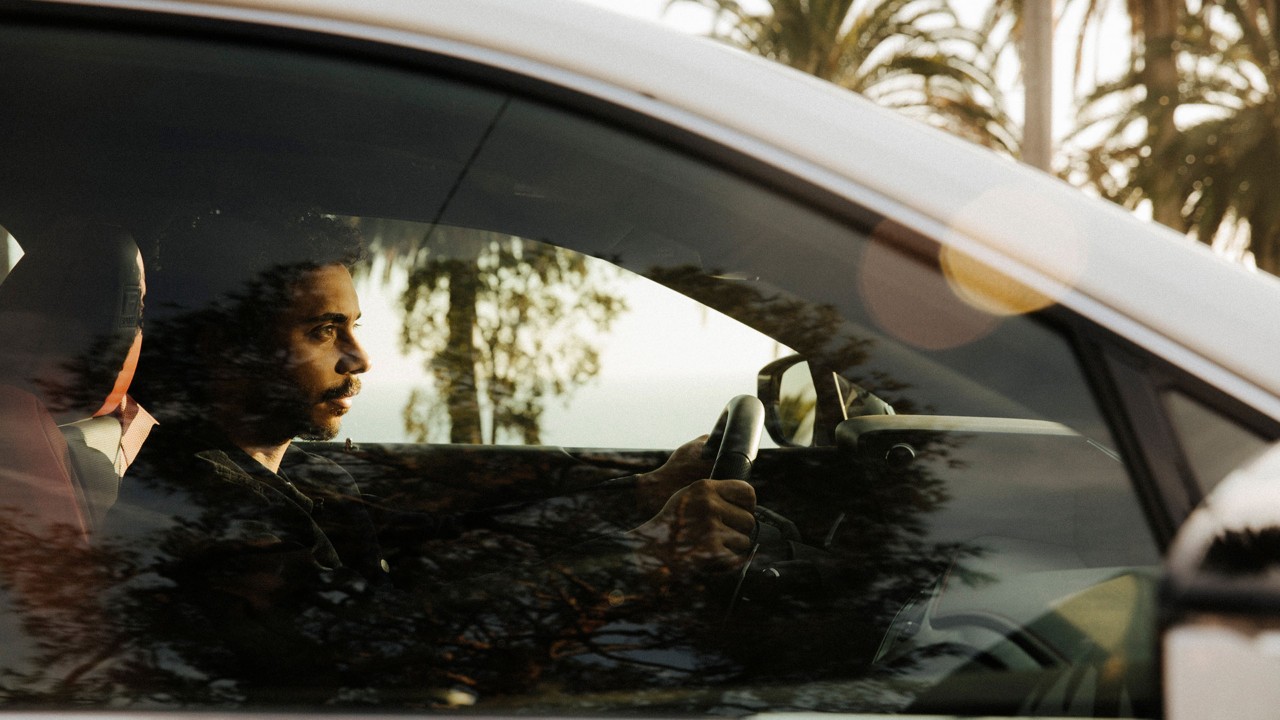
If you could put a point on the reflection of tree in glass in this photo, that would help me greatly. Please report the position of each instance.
(506, 323)
(870, 517)
(795, 411)
(154, 621)
(815, 331)
(580, 636)
(144, 619)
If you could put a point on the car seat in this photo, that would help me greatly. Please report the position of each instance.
(70, 334)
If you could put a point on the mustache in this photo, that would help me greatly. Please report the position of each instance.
(350, 387)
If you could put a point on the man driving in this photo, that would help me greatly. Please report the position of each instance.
(255, 528)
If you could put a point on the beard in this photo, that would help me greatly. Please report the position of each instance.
(319, 433)
(311, 430)
(288, 410)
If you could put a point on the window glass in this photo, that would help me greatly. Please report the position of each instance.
(585, 353)
(9, 252)
(425, 356)
(1213, 443)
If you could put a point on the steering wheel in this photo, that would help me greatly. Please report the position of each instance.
(736, 438)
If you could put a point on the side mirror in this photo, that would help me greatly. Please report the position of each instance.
(804, 404)
(790, 398)
(1221, 600)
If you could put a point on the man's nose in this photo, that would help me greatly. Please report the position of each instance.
(354, 358)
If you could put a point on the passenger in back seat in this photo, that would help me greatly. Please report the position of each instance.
(70, 332)
(70, 316)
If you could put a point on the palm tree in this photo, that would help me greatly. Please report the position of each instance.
(1152, 74)
(911, 55)
(1006, 31)
(1214, 171)
(1132, 118)
(1227, 154)
(503, 324)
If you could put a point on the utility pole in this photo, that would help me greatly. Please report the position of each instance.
(1037, 74)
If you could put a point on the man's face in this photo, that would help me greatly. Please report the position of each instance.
(320, 358)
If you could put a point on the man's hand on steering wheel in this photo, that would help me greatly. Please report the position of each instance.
(685, 466)
(709, 525)
(704, 527)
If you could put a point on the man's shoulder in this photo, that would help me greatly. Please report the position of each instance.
(316, 471)
(177, 478)
(299, 460)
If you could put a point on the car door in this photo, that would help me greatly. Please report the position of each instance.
(557, 294)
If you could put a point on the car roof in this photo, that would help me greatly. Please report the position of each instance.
(1148, 283)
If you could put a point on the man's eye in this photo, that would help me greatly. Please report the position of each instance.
(324, 332)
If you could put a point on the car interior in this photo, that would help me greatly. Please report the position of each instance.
(946, 522)
(78, 297)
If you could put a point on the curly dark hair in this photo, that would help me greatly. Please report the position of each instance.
(226, 275)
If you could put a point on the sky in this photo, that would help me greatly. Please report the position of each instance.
(683, 16)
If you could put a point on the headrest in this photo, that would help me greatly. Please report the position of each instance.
(71, 319)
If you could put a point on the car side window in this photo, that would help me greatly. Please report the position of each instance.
(550, 304)
(1213, 443)
(562, 348)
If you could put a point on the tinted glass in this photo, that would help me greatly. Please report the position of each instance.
(483, 315)
(1214, 443)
